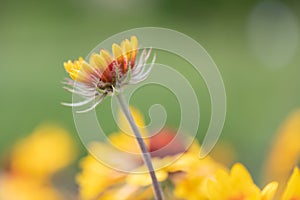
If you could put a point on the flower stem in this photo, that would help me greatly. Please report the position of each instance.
(145, 152)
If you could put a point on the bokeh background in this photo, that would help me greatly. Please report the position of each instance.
(255, 44)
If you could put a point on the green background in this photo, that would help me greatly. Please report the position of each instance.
(36, 37)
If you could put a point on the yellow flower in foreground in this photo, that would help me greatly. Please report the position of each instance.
(182, 177)
(292, 191)
(33, 162)
(96, 178)
(285, 151)
(238, 185)
(98, 181)
(192, 173)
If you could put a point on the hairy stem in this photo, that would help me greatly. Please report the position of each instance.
(142, 145)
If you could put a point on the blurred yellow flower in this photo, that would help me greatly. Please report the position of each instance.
(95, 178)
(140, 178)
(33, 162)
(224, 153)
(98, 181)
(238, 185)
(125, 139)
(19, 188)
(285, 151)
(183, 177)
(48, 149)
(190, 174)
(292, 190)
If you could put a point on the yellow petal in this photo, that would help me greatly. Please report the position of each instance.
(73, 69)
(134, 42)
(240, 174)
(285, 151)
(73, 75)
(126, 45)
(117, 50)
(126, 48)
(235, 185)
(138, 118)
(292, 190)
(124, 192)
(106, 56)
(99, 61)
(269, 191)
(68, 65)
(125, 139)
(95, 178)
(78, 75)
(86, 68)
(124, 142)
(144, 179)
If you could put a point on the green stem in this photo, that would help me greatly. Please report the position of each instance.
(142, 145)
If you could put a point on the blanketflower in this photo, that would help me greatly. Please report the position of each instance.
(190, 174)
(105, 74)
(33, 162)
(238, 185)
(184, 177)
(98, 181)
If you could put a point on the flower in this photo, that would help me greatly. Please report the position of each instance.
(96, 178)
(292, 190)
(190, 174)
(97, 181)
(34, 161)
(105, 74)
(285, 151)
(47, 150)
(238, 185)
(20, 188)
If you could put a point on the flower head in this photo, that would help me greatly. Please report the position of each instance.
(106, 73)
